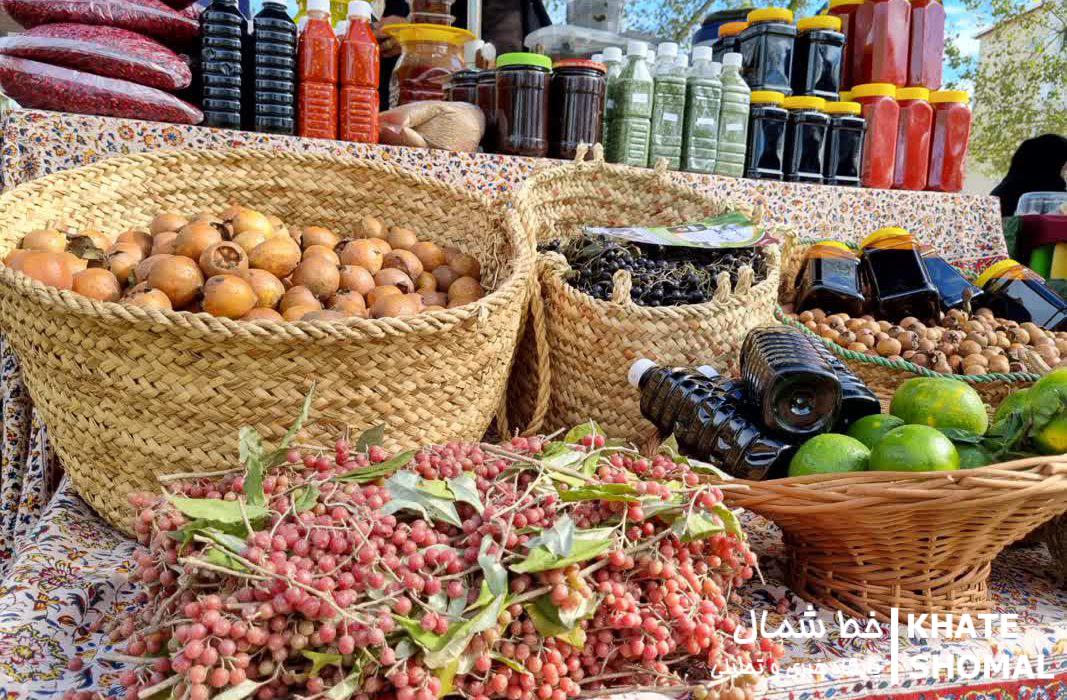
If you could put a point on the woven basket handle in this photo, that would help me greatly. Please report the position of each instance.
(621, 283)
(582, 153)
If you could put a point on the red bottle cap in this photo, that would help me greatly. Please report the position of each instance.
(579, 63)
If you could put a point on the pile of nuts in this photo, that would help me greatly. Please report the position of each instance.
(961, 343)
(243, 264)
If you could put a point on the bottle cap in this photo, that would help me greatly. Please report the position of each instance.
(732, 28)
(845, 96)
(731, 59)
(360, 9)
(523, 58)
(830, 22)
(597, 57)
(874, 90)
(834, 4)
(579, 63)
(681, 61)
(913, 93)
(833, 244)
(470, 52)
(843, 108)
(996, 270)
(702, 53)
(613, 53)
(636, 48)
(637, 370)
(708, 371)
(283, 3)
(770, 14)
(318, 6)
(884, 233)
(958, 96)
(667, 49)
(767, 97)
(801, 102)
(341, 28)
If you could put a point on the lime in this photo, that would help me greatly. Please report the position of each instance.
(829, 453)
(940, 403)
(870, 429)
(1048, 406)
(914, 448)
(973, 456)
(1015, 401)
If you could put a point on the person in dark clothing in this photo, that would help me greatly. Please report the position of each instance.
(1037, 166)
(505, 23)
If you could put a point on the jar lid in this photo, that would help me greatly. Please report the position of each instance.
(832, 244)
(912, 93)
(845, 96)
(996, 270)
(958, 96)
(414, 33)
(524, 58)
(579, 63)
(884, 233)
(770, 14)
(874, 90)
(801, 102)
(843, 107)
(844, 3)
(767, 97)
(820, 22)
(732, 28)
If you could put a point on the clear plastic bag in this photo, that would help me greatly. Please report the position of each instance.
(451, 126)
(149, 17)
(38, 85)
(107, 51)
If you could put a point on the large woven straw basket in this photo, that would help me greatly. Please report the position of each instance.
(572, 362)
(128, 393)
(920, 542)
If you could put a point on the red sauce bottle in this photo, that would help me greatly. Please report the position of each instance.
(926, 53)
(845, 10)
(890, 33)
(359, 77)
(882, 114)
(913, 139)
(317, 58)
(948, 146)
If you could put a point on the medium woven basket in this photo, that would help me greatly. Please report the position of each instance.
(128, 393)
(572, 362)
(919, 542)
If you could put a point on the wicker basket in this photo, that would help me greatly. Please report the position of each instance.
(128, 393)
(572, 362)
(918, 542)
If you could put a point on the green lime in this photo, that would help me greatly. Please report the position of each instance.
(829, 453)
(870, 429)
(1048, 407)
(1015, 401)
(914, 448)
(973, 456)
(940, 403)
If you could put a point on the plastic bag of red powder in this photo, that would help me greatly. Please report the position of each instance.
(38, 85)
(106, 51)
(149, 17)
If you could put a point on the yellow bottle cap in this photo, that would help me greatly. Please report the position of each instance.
(913, 93)
(844, 96)
(874, 90)
(798, 102)
(820, 22)
(960, 96)
(843, 108)
(407, 34)
(767, 97)
(732, 28)
(834, 4)
(833, 244)
(884, 233)
(770, 14)
(996, 270)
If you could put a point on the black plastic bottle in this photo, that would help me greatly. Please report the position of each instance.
(955, 290)
(898, 282)
(274, 69)
(709, 416)
(222, 28)
(766, 136)
(857, 400)
(767, 49)
(843, 161)
(805, 139)
(829, 279)
(817, 57)
(795, 391)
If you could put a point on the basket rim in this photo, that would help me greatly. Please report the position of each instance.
(204, 324)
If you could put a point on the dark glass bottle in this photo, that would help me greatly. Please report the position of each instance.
(805, 139)
(794, 389)
(1018, 294)
(222, 28)
(857, 400)
(952, 286)
(829, 279)
(818, 56)
(843, 161)
(709, 416)
(577, 99)
(767, 50)
(766, 136)
(899, 285)
(274, 69)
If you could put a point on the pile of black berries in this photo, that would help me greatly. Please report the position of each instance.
(661, 275)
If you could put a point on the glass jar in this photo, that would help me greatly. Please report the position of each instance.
(429, 55)
(767, 50)
(463, 87)
(948, 145)
(882, 114)
(577, 98)
(522, 103)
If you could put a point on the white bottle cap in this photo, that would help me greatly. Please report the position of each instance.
(708, 371)
(598, 57)
(318, 6)
(637, 370)
(470, 52)
(667, 49)
(732, 59)
(702, 53)
(681, 61)
(341, 28)
(633, 48)
(613, 53)
(283, 3)
(360, 9)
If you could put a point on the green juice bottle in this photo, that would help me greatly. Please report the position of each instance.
(630, 124)
(700, 137)
(733, 119)
(668, 109)
(613, 60)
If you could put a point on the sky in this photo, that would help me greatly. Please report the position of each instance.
(961, 26)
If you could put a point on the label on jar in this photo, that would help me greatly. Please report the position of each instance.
(639, 98)
(734, 126)
(668, 117)
(731, 230)
(706, 122)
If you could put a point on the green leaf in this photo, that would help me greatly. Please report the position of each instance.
(320, 661)
(962, 436)
(436, 488)
(231, 542)
(575, 434)
(570, 618)
(404, 650)
(459, 635)
(447, 676)
(378, 471)
(407, 491)
(558, 539)
(510, 663)
(216, 509)
(465, 488)
(590, 463)
(298, 424)
(560, 456)
(588, 544)
(206, 527)
(670, 445)
(484, 597)
(653, 506)
(240, 691)
(348, 686)
(305, 498)
(427, 640)
(250, 452)
(622, 493)
(220, 557)
(697, 526)
(370, 437)
(729, 520)
(496, 577)
(566, 478)
(438, 602)
(548, 625)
